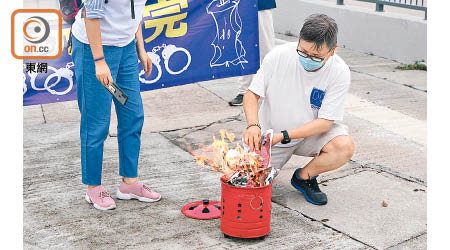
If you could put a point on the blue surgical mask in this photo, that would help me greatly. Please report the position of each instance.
(310, 65)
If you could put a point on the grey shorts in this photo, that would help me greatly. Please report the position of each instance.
(309, 147)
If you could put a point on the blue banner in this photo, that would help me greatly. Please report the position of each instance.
(187, 40)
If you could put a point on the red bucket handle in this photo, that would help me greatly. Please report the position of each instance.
(261, 204)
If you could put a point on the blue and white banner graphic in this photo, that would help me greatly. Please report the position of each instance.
(187, 40)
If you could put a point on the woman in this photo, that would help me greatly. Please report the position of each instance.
(107, 41)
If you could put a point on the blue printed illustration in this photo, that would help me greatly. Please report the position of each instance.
(316, 98)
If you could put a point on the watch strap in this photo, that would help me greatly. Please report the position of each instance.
(286, 138)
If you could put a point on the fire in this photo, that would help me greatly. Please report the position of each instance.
(229, 157)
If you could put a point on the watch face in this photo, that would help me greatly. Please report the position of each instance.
(286, 138)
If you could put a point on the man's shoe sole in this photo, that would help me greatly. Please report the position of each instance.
(232, 104)
(304, 193)
(97, 206)
(123, 196)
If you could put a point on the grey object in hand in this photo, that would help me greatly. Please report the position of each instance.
(117, 93)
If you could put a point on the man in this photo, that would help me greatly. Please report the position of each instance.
(303, 87)
(266, 43)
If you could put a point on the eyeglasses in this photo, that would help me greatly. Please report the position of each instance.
(314, 58)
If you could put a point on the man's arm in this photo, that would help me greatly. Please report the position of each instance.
(257, 89)
(253, 134)
(314, 127)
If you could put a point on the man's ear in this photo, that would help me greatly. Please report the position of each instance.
(332, 51)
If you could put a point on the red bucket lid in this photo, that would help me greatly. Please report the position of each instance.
(202, 210)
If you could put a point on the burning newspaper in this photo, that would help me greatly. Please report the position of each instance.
(241, 167)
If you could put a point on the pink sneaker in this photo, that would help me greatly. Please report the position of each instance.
(100, 198)
(137, 191)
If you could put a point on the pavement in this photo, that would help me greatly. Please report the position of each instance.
(385, 112)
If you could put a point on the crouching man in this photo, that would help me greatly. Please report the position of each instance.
(303, 87)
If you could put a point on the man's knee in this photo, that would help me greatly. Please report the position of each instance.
(343, 145)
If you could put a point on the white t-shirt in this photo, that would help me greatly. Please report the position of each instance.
(116, 26)
(292, 96)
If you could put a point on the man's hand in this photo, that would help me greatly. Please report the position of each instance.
(277, 137)
(252, 136)
(103, 73)
(146, 61)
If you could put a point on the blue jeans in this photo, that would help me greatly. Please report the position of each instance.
(94, 102)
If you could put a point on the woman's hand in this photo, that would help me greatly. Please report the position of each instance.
(142, 54)
(252, 136)
(146, 61)
(103, 73)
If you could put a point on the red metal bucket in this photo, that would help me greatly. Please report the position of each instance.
(245, 211)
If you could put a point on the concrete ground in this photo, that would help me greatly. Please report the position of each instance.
(386, 115)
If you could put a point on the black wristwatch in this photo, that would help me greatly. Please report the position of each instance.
(286, 138)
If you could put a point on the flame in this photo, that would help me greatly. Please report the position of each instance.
(227, 156)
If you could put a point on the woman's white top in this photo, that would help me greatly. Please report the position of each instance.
(116, 25)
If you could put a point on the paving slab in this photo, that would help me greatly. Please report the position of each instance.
(375, 68)
(204, 135)
(180, 107)
(394, 96)
(33, 115)
(360, 60)
(416, 243)
(413, 78)
(381, 149)
(285, 175)
(364, 61)
(57, 220)
(283, 38)
(355, 208)
(54, 133)
(162, 109)
(282, 184)
(61, 111)
(356, 76)
(226, 89)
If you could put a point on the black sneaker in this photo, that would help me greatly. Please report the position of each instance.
(237, 101)
(309, 188)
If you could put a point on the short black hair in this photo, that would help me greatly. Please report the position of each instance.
(320, 29)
